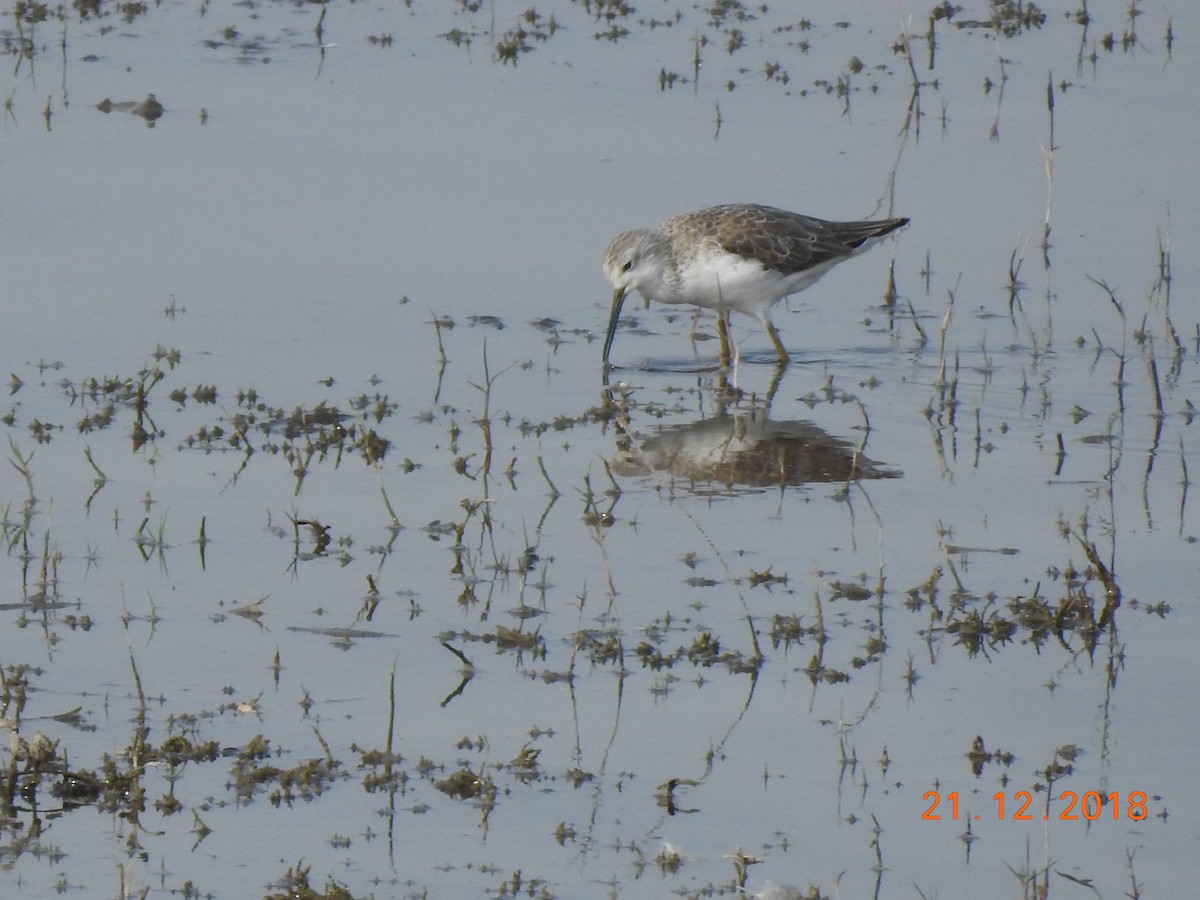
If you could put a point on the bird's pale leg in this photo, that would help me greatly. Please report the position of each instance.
(723, 334)
(695, 328)
(722, 327)
(784, 359)
(773, 389)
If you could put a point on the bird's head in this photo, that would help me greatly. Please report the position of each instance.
(629, 264)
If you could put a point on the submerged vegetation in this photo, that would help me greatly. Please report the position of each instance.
(1074, 606)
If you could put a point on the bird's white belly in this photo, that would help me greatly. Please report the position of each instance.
(726, 281)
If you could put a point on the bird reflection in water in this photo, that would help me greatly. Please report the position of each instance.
(743, 447)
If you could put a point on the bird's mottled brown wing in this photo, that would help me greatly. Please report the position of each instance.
(784, 241)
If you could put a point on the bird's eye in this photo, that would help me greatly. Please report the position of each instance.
(628, 265)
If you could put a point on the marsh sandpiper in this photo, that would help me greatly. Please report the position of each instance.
(740, 256)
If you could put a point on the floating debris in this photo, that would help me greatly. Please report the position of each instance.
(149, 109)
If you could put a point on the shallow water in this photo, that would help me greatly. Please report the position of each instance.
(645, 640)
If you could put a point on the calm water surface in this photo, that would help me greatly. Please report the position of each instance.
(327, 549)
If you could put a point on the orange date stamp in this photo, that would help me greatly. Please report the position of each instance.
(1089, 806)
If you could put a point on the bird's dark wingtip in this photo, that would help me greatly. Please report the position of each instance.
(866, 232)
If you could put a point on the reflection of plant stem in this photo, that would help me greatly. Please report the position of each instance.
(1048, 152)
(485, 420)
(946, 318)
(1120, 380)
(554, 492)
(101, 478)
(21, 464)
(137, 682)
(383, 493)
(437, 330)
(27, 514)
(391, 726)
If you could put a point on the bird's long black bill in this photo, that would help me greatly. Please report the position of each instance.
(617, 301)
